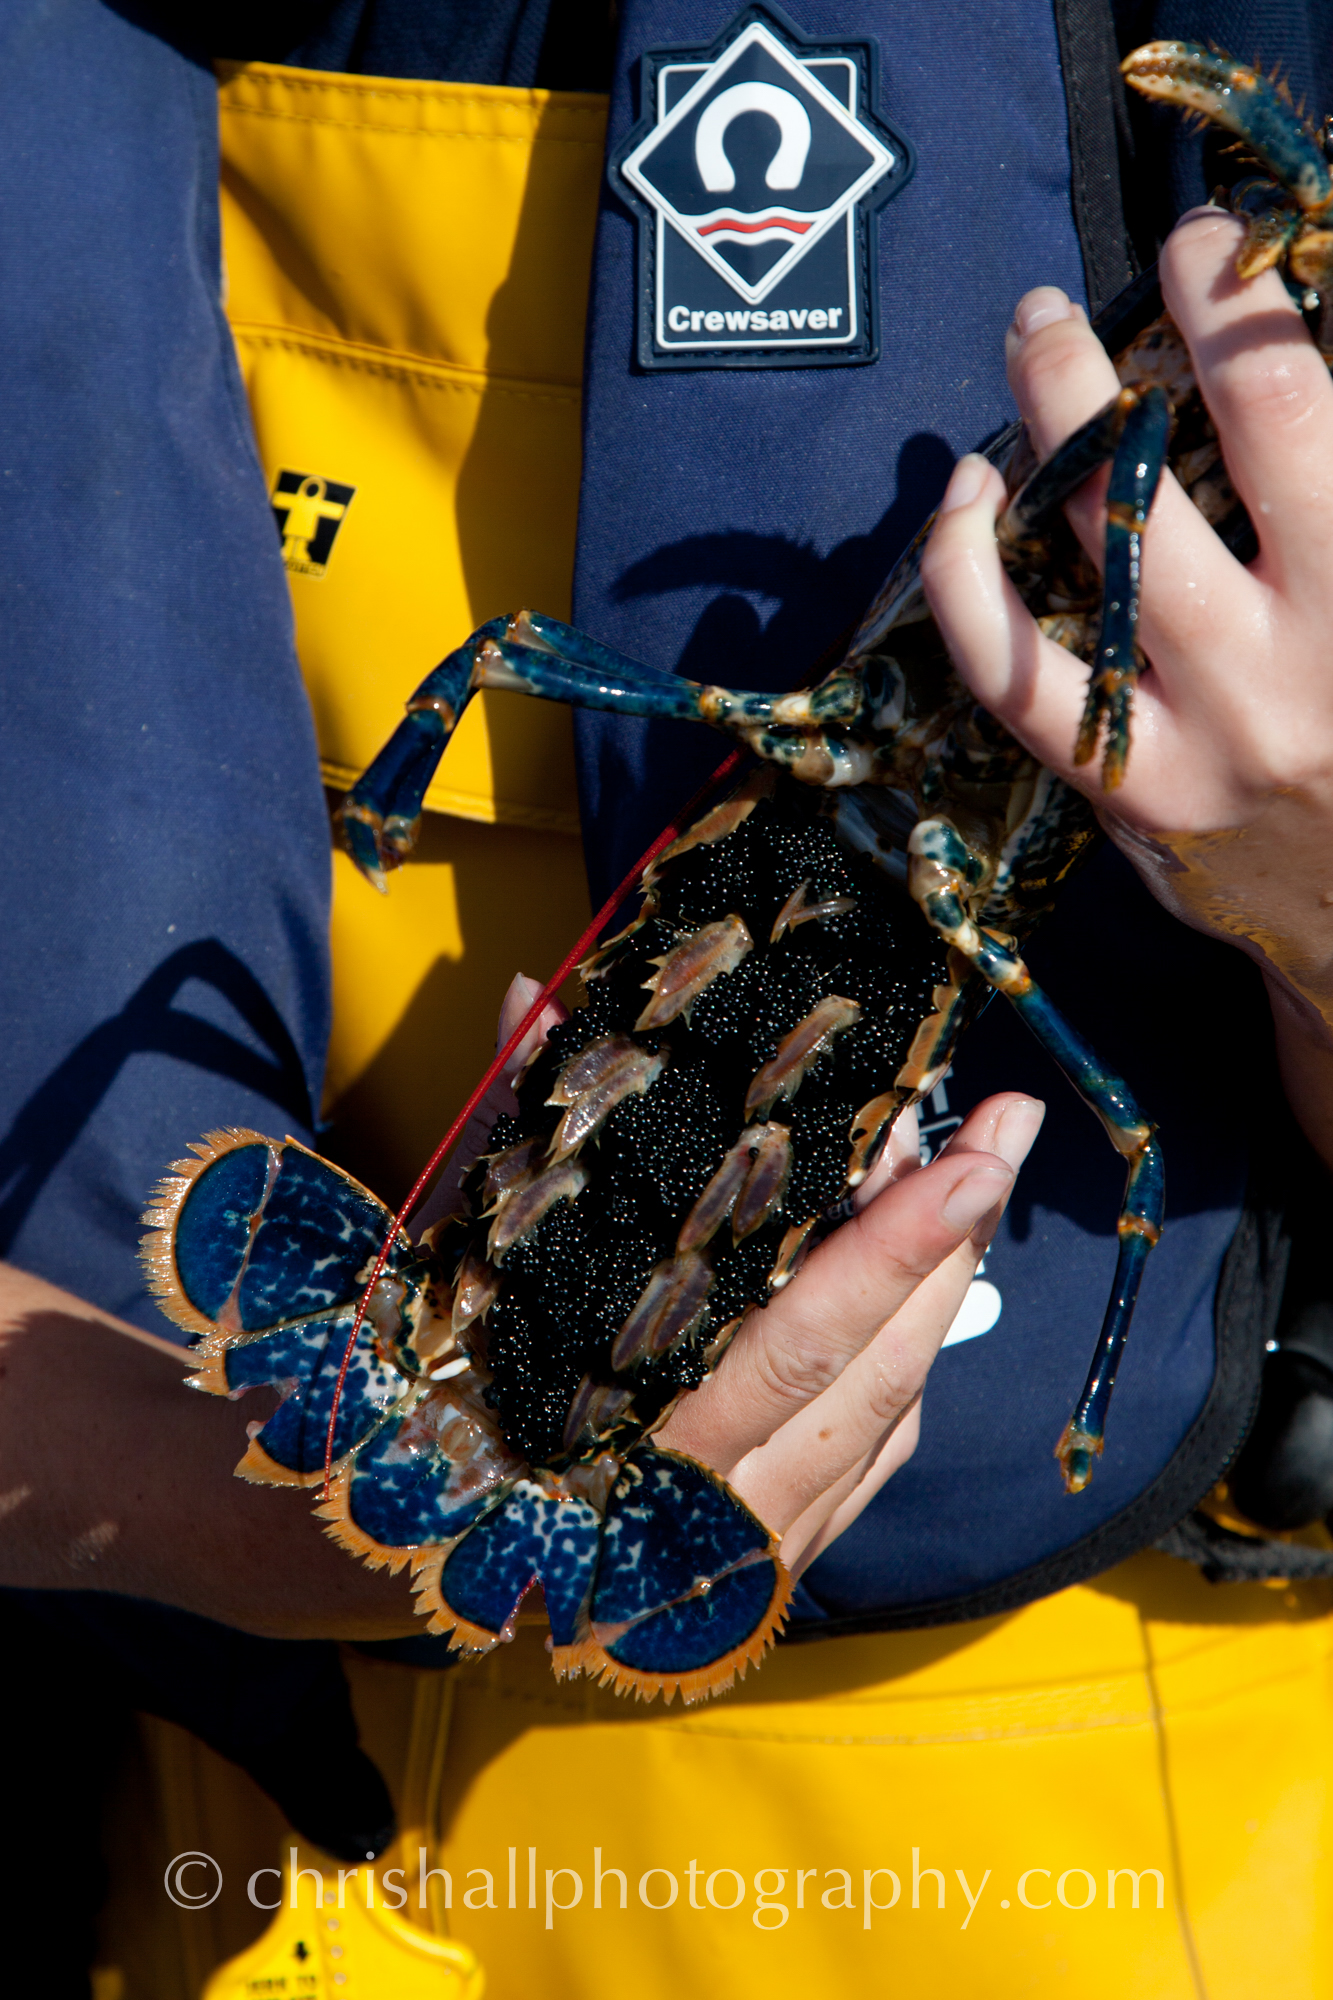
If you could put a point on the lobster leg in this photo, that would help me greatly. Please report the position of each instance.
(531, 654)
(1135, 471)
(527, 654)
(1132, 433)
(1238, 97)
(938, 879)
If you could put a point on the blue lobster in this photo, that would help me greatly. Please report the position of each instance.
(480, 1405)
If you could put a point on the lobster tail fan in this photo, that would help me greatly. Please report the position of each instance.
(217, 1239)
(421, 1481)
(690, 1590)
(261, 1250)
(535, 1533)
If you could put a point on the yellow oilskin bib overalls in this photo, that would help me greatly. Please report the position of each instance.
(1121, 1790)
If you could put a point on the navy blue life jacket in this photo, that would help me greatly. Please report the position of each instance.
(740, 504)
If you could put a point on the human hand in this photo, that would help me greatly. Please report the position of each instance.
(1227, 804)
(817, 1400)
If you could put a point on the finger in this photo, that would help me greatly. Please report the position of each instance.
(803, 1467)
(1267, 389)
(1192, 587)
(499, 1102)
(519, 998)
(1033, 686)
(834, 1512)
(788, 1353)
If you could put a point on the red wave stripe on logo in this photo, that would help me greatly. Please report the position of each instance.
(744, 228)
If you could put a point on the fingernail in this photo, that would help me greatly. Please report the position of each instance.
(974, 1196)
(905, 1141)
(1016, 1131)
(966, 482)
(1043, 307)
(522, 992)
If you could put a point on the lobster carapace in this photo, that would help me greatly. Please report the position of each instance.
(743, 1050)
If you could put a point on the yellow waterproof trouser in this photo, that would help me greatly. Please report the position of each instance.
(1122, 1790)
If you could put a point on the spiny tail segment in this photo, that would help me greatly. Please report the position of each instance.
(537, 1532)
(939, 884)
(689, 1590)
(1135, 472)
(1239, 98)
(423, 1479)
(260, 1248)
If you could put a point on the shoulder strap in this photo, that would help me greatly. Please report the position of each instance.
(1095, 96)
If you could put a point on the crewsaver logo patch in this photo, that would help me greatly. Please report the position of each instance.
(752, 180)
(309, 511)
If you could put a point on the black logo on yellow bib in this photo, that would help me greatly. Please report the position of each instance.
(752, 178)
(309, 512)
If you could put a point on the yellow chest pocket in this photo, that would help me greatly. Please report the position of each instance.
(407, 269)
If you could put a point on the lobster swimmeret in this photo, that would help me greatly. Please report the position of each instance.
(734, 1072)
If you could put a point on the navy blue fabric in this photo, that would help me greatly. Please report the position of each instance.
(165, 920)
(732, 525)
(165, 965)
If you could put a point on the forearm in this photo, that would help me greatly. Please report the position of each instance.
(113, 1476)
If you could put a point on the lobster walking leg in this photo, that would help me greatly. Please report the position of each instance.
(1135, 471)
(527, 654)
(1131, 432)
(939, 868)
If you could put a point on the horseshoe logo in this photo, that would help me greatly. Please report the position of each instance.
(793, 122)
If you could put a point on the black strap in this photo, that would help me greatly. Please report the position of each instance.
(1226, 1557)
(1094, 94)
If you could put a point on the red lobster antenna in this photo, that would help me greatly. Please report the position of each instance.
(450, 1140)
